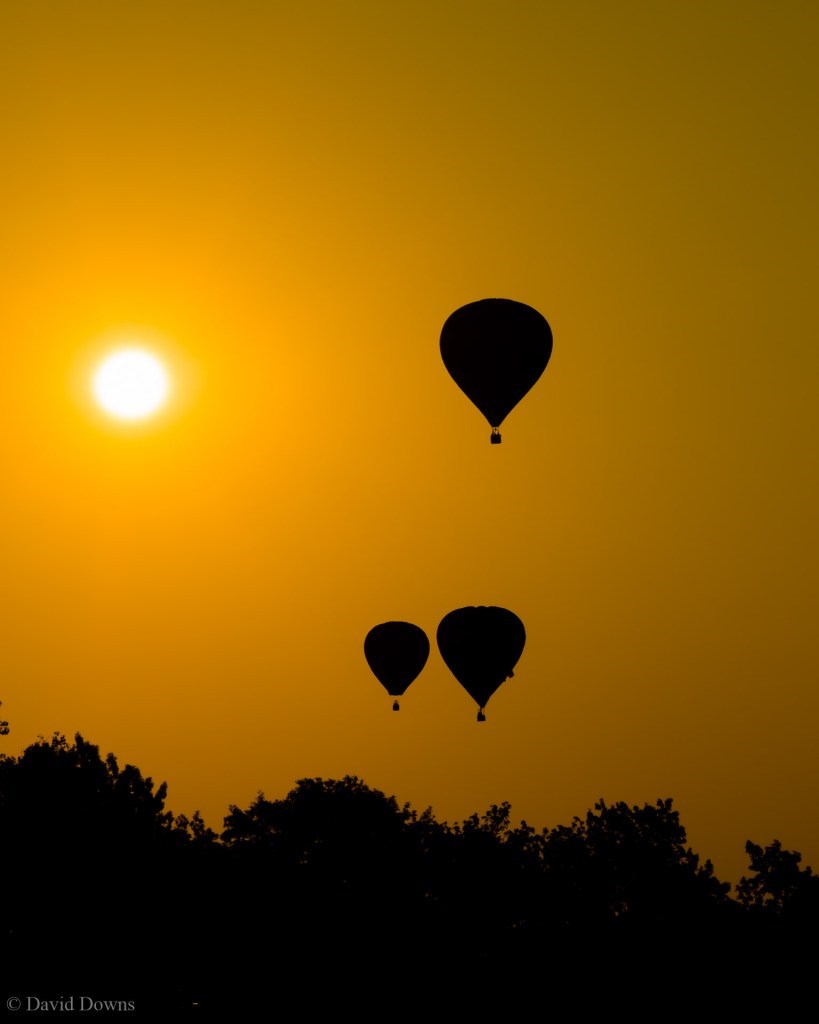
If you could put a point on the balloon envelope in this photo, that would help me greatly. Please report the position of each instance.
(495, 350)
(396, 652)
(481, 647)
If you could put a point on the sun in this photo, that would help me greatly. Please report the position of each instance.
(131, 384)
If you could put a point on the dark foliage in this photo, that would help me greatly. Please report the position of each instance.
(337, 891)
(780, 889)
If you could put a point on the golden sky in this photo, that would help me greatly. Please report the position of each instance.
(287, 201)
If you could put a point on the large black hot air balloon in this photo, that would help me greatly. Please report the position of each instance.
(495, 350)
(481, 647)
(396, 652)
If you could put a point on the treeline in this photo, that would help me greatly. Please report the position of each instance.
(338, 892)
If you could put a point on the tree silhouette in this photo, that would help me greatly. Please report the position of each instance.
(104, 889)
(335, 868)
(630, 865)
(93, 859)
(779, 887)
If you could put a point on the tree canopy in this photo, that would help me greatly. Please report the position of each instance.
(103, 884)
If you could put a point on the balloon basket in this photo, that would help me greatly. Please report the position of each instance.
(396, 706)
(495, 437)
(481, 716)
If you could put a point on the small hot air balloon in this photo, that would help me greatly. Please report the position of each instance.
(396, 652)
(495, 350)
(481, 647)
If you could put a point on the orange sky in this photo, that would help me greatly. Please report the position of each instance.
(289, 200)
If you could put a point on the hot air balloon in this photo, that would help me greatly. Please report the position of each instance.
(495, 350)
(396, 652)
(481, 646)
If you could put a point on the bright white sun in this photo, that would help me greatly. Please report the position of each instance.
(131, 384)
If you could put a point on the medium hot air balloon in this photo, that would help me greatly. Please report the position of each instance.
(396, 652)
(481, 646)
(495, 350)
